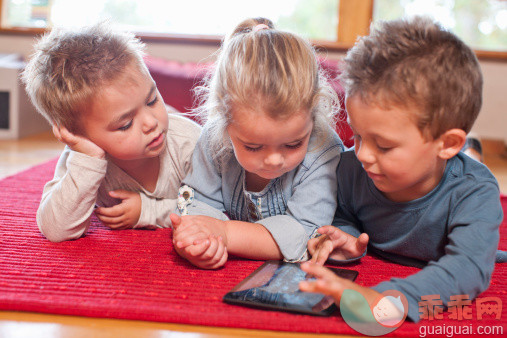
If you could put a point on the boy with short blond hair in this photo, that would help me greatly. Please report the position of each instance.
(125, 153)
(413, 92)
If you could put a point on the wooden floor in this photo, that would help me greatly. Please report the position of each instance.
(18, 155)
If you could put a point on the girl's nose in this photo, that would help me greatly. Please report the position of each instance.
(274, 159)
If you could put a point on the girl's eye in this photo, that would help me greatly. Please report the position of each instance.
(384, 149)
(152, 102)
(248, 148)
(294, 145)
(127, 126)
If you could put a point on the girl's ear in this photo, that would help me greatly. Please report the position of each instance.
(451, 143)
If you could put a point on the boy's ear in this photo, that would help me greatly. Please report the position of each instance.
(451, 143)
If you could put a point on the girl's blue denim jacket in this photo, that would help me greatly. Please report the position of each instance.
(291, 207)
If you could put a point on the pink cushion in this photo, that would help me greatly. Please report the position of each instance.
(175, 81)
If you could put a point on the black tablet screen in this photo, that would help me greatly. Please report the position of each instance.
(275, 285)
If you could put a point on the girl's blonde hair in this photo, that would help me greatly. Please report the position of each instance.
(266, 71)
(69, 67)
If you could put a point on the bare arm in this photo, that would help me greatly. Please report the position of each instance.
(251, 240)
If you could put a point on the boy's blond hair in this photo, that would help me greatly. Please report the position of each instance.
(69, 67)
(266, 70)
(417, 63)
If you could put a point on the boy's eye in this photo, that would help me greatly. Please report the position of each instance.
(249, 148)
(294, 145)
(126, 126)
(152, 102)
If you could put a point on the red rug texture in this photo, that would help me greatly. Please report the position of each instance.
(136, 274)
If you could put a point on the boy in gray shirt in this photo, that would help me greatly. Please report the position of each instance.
(125, 153)
(413, 92)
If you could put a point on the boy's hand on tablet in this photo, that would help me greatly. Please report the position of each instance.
(123, 215)
(329, 283)
(78, 143)
(336, 244)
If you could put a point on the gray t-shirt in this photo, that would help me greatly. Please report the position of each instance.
(452, 232)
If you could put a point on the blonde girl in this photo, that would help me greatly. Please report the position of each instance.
(264, 169)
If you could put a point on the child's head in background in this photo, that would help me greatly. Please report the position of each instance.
(266, 96)
(93, 82)
(413, 92)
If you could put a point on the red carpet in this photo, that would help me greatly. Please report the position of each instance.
(136, 274)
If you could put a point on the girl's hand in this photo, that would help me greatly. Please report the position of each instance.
(123, 215)
(209, 253)
(188, 230)
(336, 244)
(78, 143)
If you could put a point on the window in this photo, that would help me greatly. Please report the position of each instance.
(329, 23)
(314, 19)
(481, 24)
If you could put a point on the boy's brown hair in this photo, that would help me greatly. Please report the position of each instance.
(69, 67)
(417, 63)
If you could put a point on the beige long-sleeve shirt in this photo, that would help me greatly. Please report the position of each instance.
(81, 182)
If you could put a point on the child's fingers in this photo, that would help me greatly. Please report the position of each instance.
(223, 259)
(339, 238)
(324, 287)
(220, 250)
(220, 257)
(318, 271)
(327, 281)
(121, 194)
(115, 224)
(190, 232)
(322, 253)
(175, 220)
(110, 220)
(197, 250)
(326, 229)
(313, 245)
(114, 211)
(362, 242)
(210, 253)
(309, 286)
(185, 239)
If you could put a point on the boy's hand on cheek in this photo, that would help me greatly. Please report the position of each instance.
(123, 215)
(78, 143)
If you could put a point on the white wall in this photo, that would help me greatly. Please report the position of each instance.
(491, 123)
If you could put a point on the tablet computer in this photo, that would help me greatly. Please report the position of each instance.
(275, 286)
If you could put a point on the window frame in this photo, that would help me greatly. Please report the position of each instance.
(354, 19)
